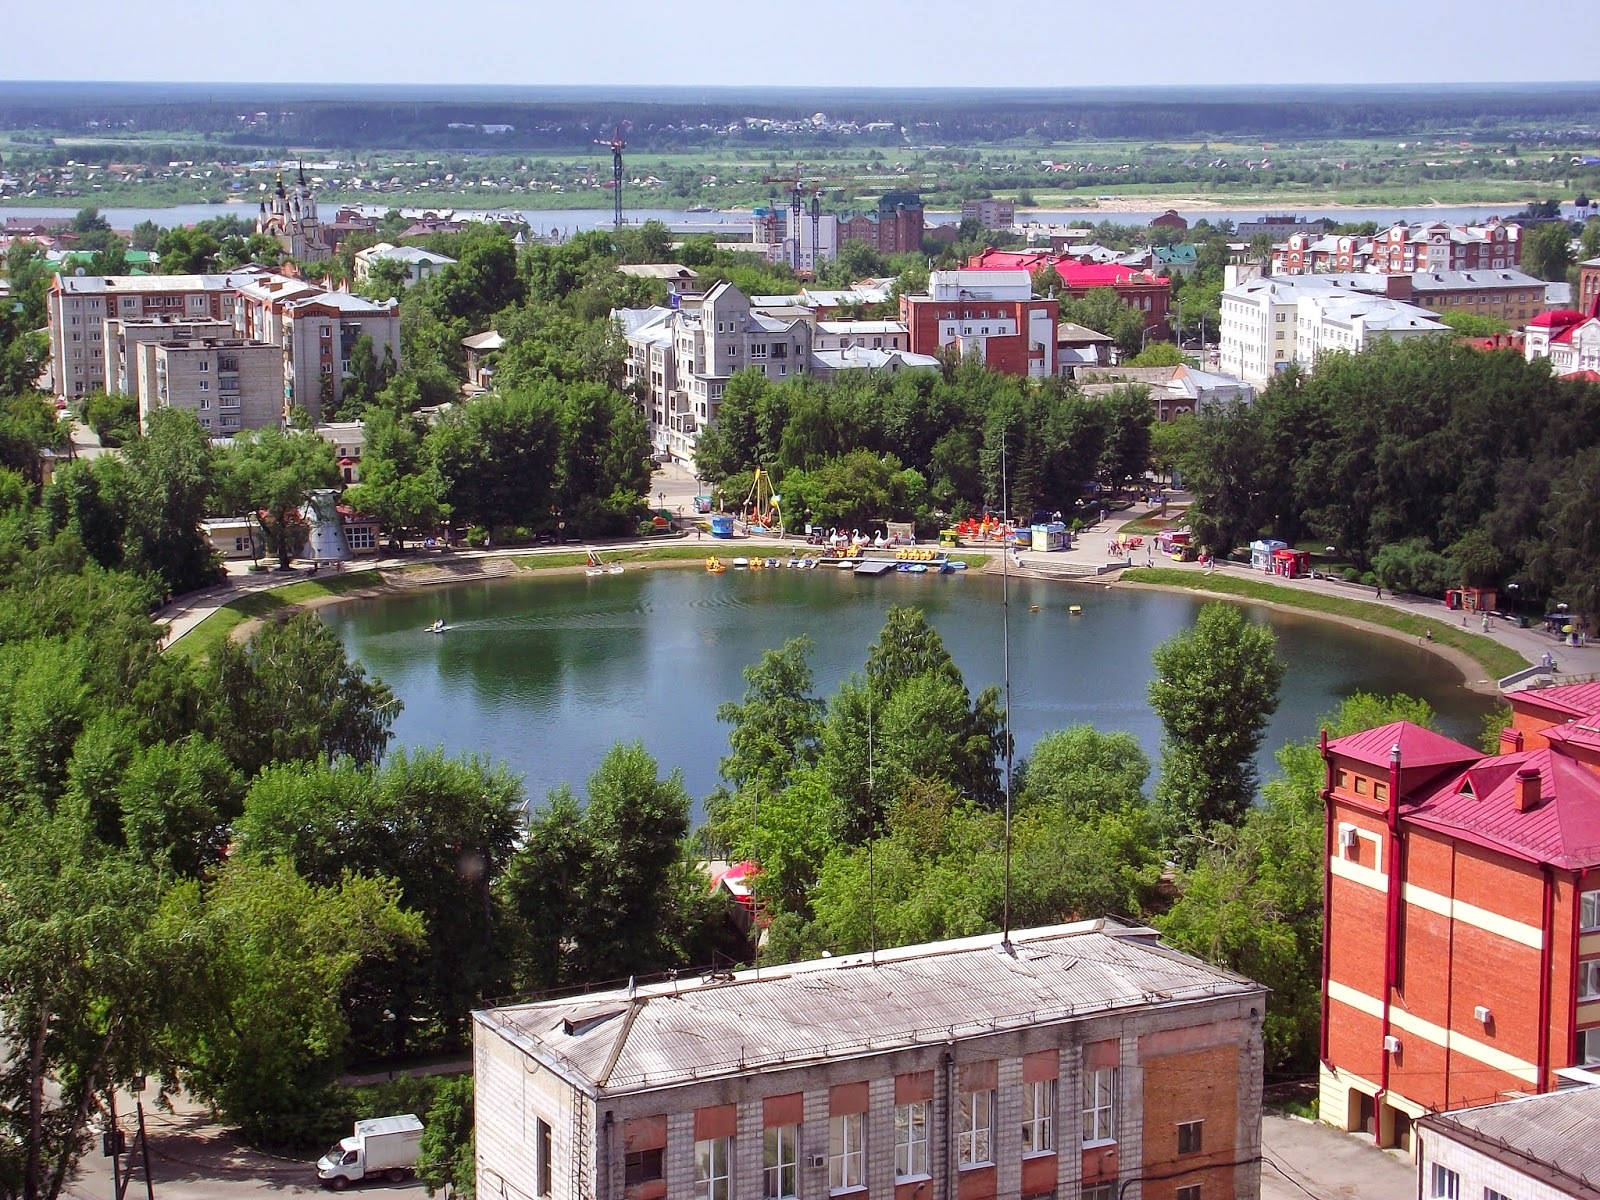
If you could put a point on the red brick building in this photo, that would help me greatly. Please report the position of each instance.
(993, 314)
(1440, 246)
(1461, 960)
(1169, 220)
(1144, 290)
(895, 228)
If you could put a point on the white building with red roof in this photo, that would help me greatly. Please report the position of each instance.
(1570, 340)
(1461, 955)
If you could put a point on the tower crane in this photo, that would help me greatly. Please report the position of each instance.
(617, 146)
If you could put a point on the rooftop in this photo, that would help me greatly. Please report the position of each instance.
(668, 1033)
(1550, 1136)
(1563, 829)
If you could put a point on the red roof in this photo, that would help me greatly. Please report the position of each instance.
(1558, 318)
(1419, 747)
(1073, 273)
(1478, 806)
(1584, 376)
(1563, 703)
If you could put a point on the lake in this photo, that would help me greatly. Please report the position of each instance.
(546, 673)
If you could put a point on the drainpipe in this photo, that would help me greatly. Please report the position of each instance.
(1327, 884)
(1391, 924)
(947, 1060)
(603, 1157)
(1546, 965)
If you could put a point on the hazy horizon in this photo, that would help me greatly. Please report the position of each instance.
(723, 43)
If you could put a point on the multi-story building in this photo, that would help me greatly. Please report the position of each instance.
(896, 227)
(1171, 219)
(1440, 246)
(1570, 340)
(123, 339)
(1588, 299)
(678, 278)
(1461, 959)
(289, 217)
(680, 359)
(774, 231)
(861, 335)
(1136, 287)
(1510, 296)
(316, 330)
(991, 214)
(1079, 1060)
(229, 384)
(1532, 1147)
(1280, 225)
(1262, 331)
(992, 314)
(80, 305)
(827, 364)
(1314, 254)
(420, 264)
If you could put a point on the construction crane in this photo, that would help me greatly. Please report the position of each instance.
(799, 187)
(617, 146)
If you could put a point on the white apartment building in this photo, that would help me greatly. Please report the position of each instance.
(80, 306)
(773, 238)
(681, 359)
(1264, 330)
(1083, 1061)
(316, 331)
(1541, 1147)
(861, 335)
(229, 384)
(124, 338)
(420, 264)
(1570, 340)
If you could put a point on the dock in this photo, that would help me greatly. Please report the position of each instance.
(876, 566)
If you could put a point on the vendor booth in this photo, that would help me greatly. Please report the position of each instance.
(1261, 553)
(1291, 564)
(1052, 535)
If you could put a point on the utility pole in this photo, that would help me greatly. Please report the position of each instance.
(616, 146)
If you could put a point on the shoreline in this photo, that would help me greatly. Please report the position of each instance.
(394, 581)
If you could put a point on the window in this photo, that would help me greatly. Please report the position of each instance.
(977, 1119)
(204, 403)
(1491, 1194)
(642, 1166)
(759, 350)
(543, 1132)
(1103, 1191)
(1038, 1116)
(779, 1155)
(1589, 914)
(361, 537)
(241, 545)
(1188, 1192)
(205, 385)
(1100, 1105)
(204, 366)
(1589, 980)
(1588, 1046)
(713, 1169)
(1190, 1137)
(327, 332)
(911, 1139)
(327, 368)
(847, 1152)
(1443, 1183)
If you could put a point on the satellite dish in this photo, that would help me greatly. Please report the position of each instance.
(81, 271)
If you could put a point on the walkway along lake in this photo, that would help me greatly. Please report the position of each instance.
(547, 673)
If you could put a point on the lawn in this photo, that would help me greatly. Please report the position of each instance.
(1495, 659)
(210, 633)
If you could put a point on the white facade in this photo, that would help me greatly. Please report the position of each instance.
(1273, 321)
(861, 335)
(945, 286)
(816, 246)
(1572, 348)
(419, 264)
(680, 359)
(1537, 1147)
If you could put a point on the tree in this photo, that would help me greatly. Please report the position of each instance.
(168, 477)
(1158, 354)
(1214, 688)
(1470, 324)
(1102, 310)
(1547, 250)
(274, 474)
(290, 695)
(263, 1036)
(445, 1159)
(1081, 771)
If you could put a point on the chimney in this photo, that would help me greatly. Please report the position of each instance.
(1527, 794)
(1397, 287)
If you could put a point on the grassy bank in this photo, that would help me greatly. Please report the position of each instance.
(215, 629)
(1495, 659)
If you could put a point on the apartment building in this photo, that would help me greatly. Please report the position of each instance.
(1321, 254)
(774, 234)
(895, 227)
(124, 338)
(1440, 246)
(991, 214)
(419, 264)
(1461, 960)
(1570, 340)
(1264, 329)
(80, 306)
(1137, 287)
(316, 330)
(229, 384)
(1532, 1147)
(861, 335)
(1082, 1060)
(1510, 296)
(680, 359)
(992, 314)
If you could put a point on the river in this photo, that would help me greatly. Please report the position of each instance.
(547, 673)
(573, 220)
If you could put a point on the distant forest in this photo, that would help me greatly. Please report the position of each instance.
(669, 119)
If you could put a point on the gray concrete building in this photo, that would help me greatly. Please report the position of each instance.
(1074, 1061)
(229, 384)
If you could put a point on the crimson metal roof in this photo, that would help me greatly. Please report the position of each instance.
(1569, 700)
(666, 1034)
(1419, 747)
(1479, 806)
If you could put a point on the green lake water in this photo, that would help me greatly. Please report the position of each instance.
(546, 673)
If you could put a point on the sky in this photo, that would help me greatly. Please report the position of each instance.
(852, 43)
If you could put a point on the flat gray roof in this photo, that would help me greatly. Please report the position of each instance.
(1552, 1137)
(692, 1029)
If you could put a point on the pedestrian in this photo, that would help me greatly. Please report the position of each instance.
(1379, 592)
(697, 533)
(1428, 633)
(1486, 622)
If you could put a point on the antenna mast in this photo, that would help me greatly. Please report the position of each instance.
(1005, 660)
(617, 146)
(872, 836)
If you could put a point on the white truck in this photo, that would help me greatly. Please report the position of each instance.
(383, 1147)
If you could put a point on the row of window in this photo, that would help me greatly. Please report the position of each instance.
(1445, 1184)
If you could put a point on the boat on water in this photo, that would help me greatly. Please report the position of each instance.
(698, 208)
(437, 627)
(740, 564)
(715, 566)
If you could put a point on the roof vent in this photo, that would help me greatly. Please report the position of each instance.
(1528, 794)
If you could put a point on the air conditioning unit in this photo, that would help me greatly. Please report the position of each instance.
(1391, 1045)
(1481, 1013)
(1347, 837)
(818, 1161)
